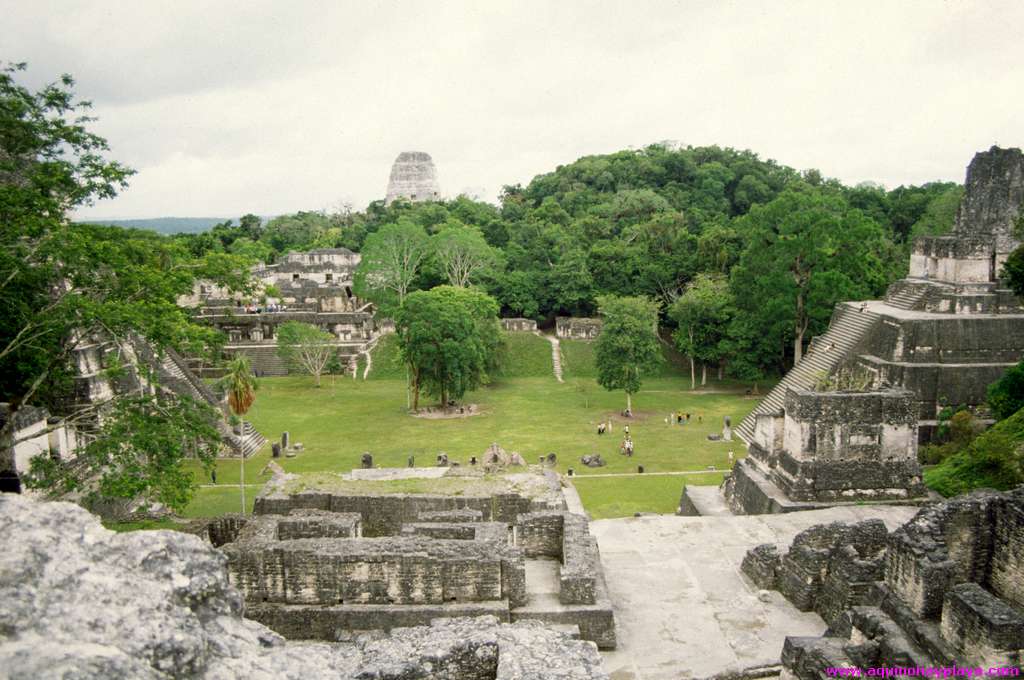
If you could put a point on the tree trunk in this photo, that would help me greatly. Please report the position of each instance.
(242, 473)
(703, 375)
(408, 388)
(800, 327)
(318, 380)
(720, 371)
(629, 404)
(693, 375)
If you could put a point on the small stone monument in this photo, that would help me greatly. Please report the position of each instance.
(275, 450)
(442, 459)
(285, 440)
(640, 469)
(552, 459)
(727, 430)
(412, 461)
(367, 460)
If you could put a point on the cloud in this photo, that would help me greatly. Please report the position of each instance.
(267, 107)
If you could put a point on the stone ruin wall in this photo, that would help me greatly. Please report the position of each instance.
(982, 234)
(519, 325)
(945, 588)
(577, 327)
(169, 611)
(827, 448)
(314, 565)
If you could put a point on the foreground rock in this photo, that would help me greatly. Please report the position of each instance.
(83, 602)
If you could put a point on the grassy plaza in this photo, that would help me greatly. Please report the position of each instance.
(524, 409)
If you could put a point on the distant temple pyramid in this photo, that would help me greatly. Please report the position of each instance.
(414, 178)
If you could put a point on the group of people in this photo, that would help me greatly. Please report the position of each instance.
(680, 418)
(626, 447)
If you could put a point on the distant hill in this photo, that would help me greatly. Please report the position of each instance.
(166, 225)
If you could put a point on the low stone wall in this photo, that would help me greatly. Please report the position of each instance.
(319, 524)
(519, 325)
(577, 328)
(385, 515)
(407, 570)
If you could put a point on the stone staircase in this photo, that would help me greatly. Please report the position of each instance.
(176, 366)
(907, 294)
(248, 442)
(849, 326)
(556, 355)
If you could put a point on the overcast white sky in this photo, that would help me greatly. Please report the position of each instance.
(226, 108)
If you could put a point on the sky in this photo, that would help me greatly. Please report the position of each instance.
(226, 108)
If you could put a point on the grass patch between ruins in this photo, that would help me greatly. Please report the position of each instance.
(611, 497)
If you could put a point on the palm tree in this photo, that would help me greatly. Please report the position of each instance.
(240, 386)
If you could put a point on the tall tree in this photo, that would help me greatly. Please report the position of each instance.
(462, 253)
(627, 347)
(807, 250)
(391, 259)
(304, 347)
(240, 386)
(449, 337)
(703, 313)
(64, 282)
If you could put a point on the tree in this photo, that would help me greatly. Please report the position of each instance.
(1013, 271)
(137, 455)
(305, 347)
(449, 338)
(462, 253)
(391, 259)
(807, 250)
(627, 347)
(240, 387)
(703, 313)
(1006, 395)
(63, 282)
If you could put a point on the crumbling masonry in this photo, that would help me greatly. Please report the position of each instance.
(946, 588)
(325, 566)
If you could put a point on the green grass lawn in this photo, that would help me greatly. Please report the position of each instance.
(607, 497)
(524, 410)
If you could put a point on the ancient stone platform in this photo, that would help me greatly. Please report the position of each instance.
(682, 607)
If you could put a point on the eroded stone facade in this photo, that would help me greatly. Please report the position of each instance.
(413, 178)
(945, 589)
(322, 565)
(830, 447)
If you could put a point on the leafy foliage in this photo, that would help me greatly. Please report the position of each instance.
(703, 313)
(391, 259)
(1006, 395)
(995, 459)
(449, 337)
(627, 348)
(139, 453)
(239, 384)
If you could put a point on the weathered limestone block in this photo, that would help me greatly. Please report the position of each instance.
(540, 534)
(1007, 576)
(941, 546)
(319, 524)
(462, 515)
(225, 529)
(761, 565)
(463, 531)
(581, 562)
(986, 630)
(842, 446)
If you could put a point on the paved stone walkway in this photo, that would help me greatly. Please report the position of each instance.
(682, 608)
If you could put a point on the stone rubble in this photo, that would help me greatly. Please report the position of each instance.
(84, 602)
